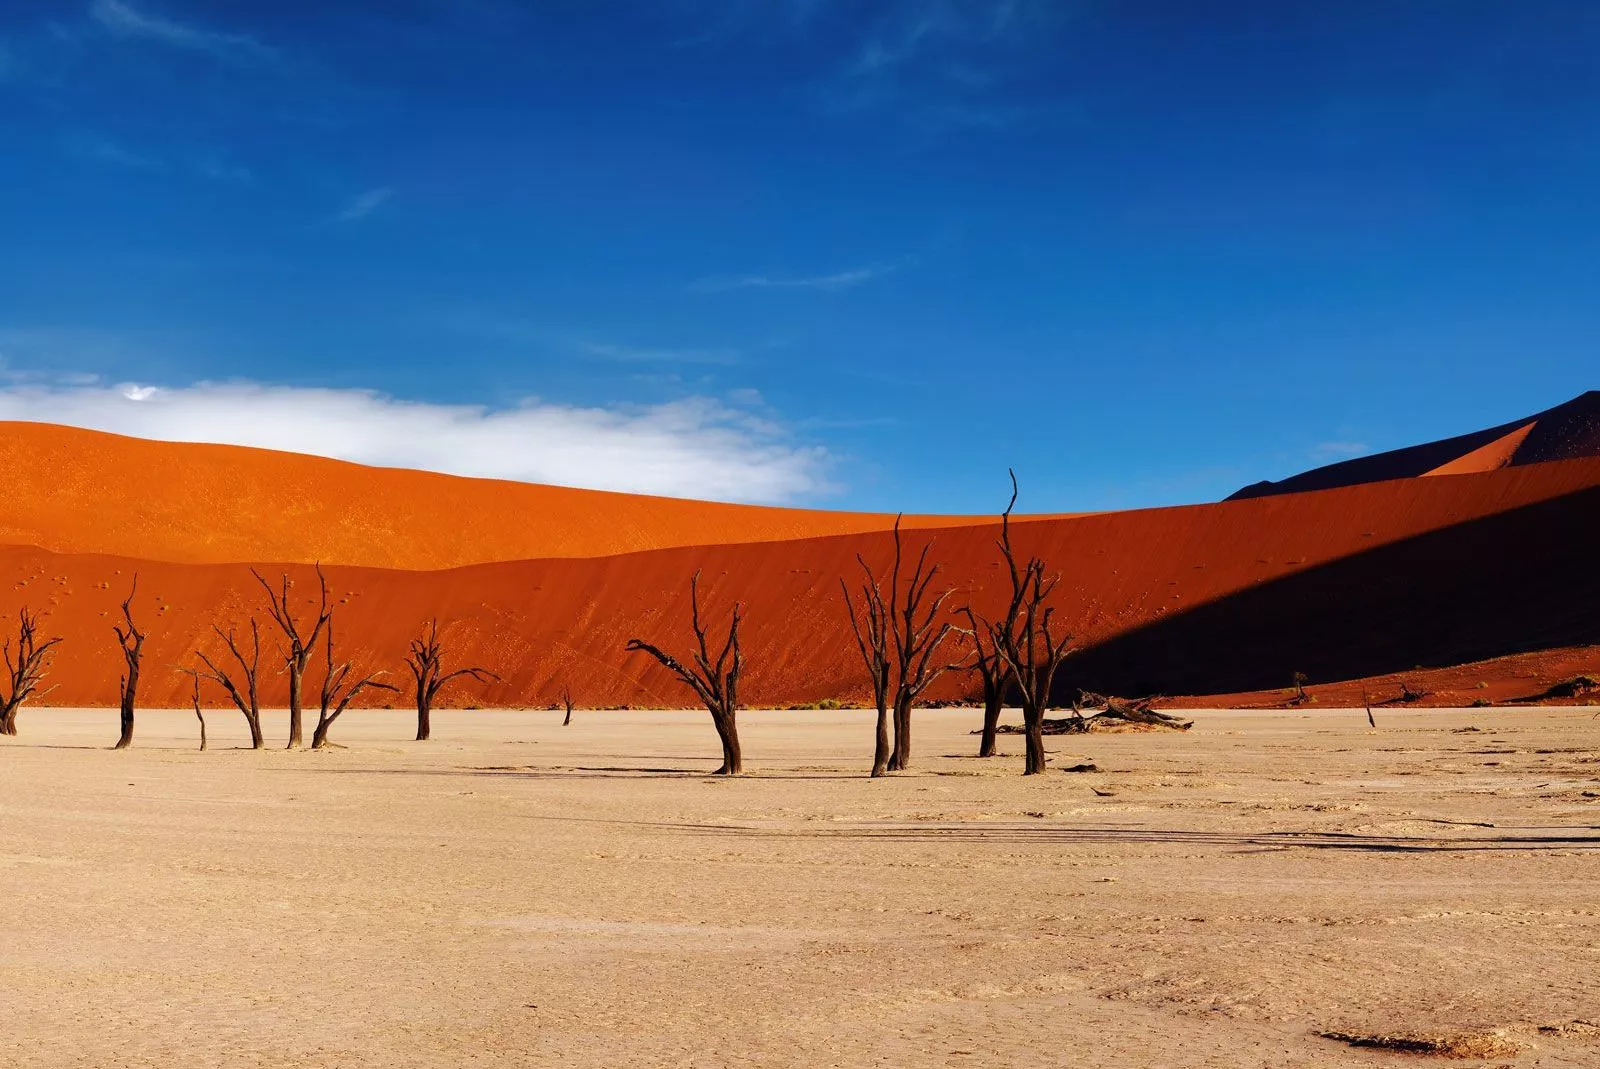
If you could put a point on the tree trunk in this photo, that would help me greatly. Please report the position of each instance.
(257, 742)
(126, 739)
(295, 671)
(732, 756)
(993, 702)
(568, 719)
(424, 717)
(902, 734)
(202, 718)
(880, 750)
(130, 688)
(1033, 729)
(8, 722)
(319, 736)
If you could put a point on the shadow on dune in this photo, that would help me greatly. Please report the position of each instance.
(1518, 581)
(1571, 429)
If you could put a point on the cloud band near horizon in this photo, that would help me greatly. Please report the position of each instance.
(697, 447)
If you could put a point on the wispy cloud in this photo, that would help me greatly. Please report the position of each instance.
(837, 280)
(123, 19)
(104, 150)
(695, 447)
(626, 354)
(566, 343)
(936, 65)
(221, 170)
(210, 165)
(962, 38)
(946, 65)
(363, 205)
(42, 377)
(1328, 451)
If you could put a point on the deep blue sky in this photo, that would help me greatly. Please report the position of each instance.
(1144, 252)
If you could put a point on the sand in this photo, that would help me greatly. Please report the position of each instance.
(516, 893)
(79, 491)
(1207, 599)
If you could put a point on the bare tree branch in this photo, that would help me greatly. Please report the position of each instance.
(1026, 639)
(339, 690)
(917, 628)
(195, 675)
(426, 661)
(247, 700)
(300, 645)
(871, 630)
(715, 683)
(993, 672)
(131, 640)
(25, 669)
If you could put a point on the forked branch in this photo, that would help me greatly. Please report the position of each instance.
(240, 682)
(426, 663)
(27, 663)
(1027, 639)
(714, 682)
(131, 639)
(340, 686)
(299, 642)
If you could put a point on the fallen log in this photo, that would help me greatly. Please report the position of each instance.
(1112, 711)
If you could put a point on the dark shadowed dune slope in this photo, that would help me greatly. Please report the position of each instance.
(1566, 432)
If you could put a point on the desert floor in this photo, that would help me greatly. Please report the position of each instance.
(518, 893)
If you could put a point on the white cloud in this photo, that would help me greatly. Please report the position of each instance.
(364, 205)
(125, 20)
(698, 447)
(838, 280)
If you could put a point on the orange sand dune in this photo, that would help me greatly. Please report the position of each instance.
(76, 491)
(1497, 454)
(1343, 583)
(1568, 431)
(1519, 679)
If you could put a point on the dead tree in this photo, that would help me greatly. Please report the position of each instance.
(566, 702)
(339, 689)
(871, 629)
(1137, 711)
(716, 683)
(918, 633)
(426, 661)
(246, 699)
(25, 667)
(994, 673)
(301, 643)
(1030, 647)
(199, 713)
(915, 634)
(132, 642)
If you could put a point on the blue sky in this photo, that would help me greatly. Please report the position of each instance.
(856, 255)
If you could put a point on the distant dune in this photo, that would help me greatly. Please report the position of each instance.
(1566, 432)
(1237, 596)
(76, 491)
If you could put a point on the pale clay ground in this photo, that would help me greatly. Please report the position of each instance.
(518, 893)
